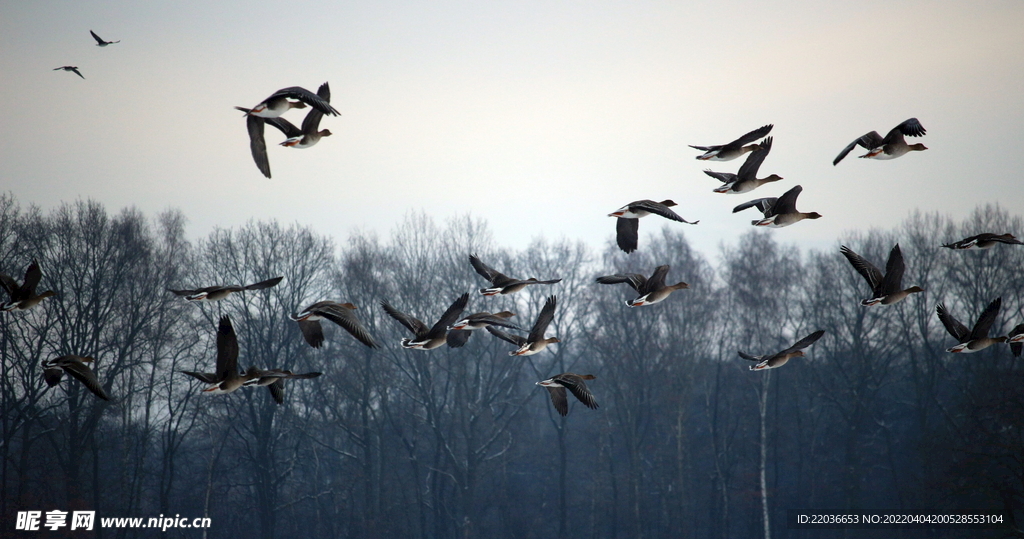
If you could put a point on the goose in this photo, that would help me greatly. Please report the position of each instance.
(54, 369)
(432, 337)
(986, 240)
(1016, 340)
(219, 292)
(746, 179)
(556, 386)
(890, 147)
(885, 289)
(976, 339)
(651, 290)
(227, 378)
(295, 137)
(279, 103)
(23, 297)
(72, 69)
(100, 42)
(779, 359)
(503, 284)
(627, 225)
(273, 380)
(736, 148)
(339, 313)
(778, 212)
(535, 342)
(460, 332)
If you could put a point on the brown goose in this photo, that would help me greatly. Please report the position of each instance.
(746, 179)
(54, 369)
(460, 332)
(778, 212)
(273, 380)
(23, 296)
(779, 359)
(278, 103)
(227, 377)
(975, 339)
(627, 225)
(885, 289)
(503, 284)
(985, 240)
(736, 148)
(651, 290)
(890, 147)
(556, 386)
(432, 337)
(306, 137)
(535, 342)
(219, 292)
(339, 313)
(72, 69)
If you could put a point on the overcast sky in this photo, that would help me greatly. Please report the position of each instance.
(540, 116)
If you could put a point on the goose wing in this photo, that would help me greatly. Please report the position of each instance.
(952, 325)
(867, 270)
(81, 372)
(748, 170)
(894, 268)
(988, 316)
(514, 339)
(626, 233)
(450, 316)
(227, 349)
(764, 205)
(868, 141)
(634, 280)
(307, 97)
(345, 318)
(543, 319)
(575, 384)
(414, 325)
(495, 277)
(264, 284)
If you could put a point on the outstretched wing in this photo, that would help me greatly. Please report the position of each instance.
(764, 205)
(449, 317)
(748, 170)
(634, 280)
(953, 326)
(988, 316)
(894, 268)
(626, 233)
(578, 388)
(868, 140)
(803, 343)
(867, 270)
(514, 339)
(547, 313)
(414, 324)
(753, 135)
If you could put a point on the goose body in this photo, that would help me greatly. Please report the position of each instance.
(100, 42)
(556, 386)
(885, 289)
(502, 284)
(219, 292)
(227, 378)
(536, 341)
(975, 339)
(734, 149)
(779, 359)
(986, 240)
(746, 179)
(427, 338)
(627, 224)
(891, 146)
(76, 366)
(778, 212)
(652, 290)
(70, 69)
(23, 297)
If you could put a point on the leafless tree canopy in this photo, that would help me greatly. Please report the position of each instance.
(460, 442)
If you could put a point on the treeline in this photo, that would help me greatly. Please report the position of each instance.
(461, 442)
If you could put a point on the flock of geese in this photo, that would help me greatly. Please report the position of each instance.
(453, 329)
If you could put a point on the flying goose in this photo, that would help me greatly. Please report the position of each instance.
(890, 147)
(503, 284)
(432, 337)
(227, 378)
(100, 42)
(986, 240)
(885, 289)
(460, 332)
(273, 380)
(72, 69)
(556, 386)
(778, 212)
(746, 179)
(54, 369)
(339, 313)
(219, 292)
(651, 290)
(627, 225)
(23, 296)
(779, 359)
(736, 148)
(535, 342)
(975, 339)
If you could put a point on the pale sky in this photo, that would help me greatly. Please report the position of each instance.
(539, 116)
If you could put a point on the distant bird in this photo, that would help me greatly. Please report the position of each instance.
(339, 313)
(890, 147)
(73, 69)
(779, 359)
(460, 332)
(1016, 340)
(778, 212)
(556, 386)
(746, 179)
(736, 148)
(503, 284)
(884, 289)
(627, 225)
(651, 290)
(227, 378)
(273, 379)
(535, 342)
(977, 338)
(219, 292)
(432, 337)
(100, 42)
(24, 297)
(985, 240)
(54, 369)
(278, 103)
